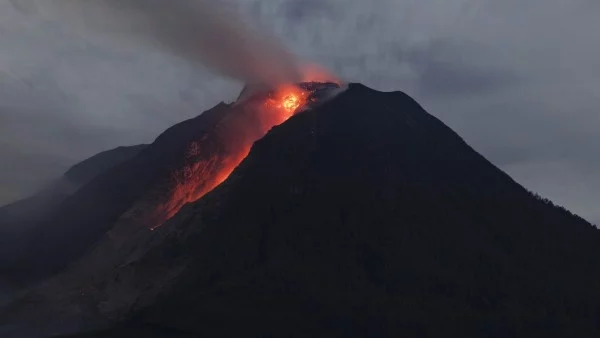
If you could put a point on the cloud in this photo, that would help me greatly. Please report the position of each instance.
(301, 10)
(450, 68)
(518, 80)
(211, 33)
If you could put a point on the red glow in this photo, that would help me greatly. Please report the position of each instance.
(211, 160)
(285, 101)
(197, 179)
(316, 73)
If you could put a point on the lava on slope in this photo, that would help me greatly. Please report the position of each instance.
(180, 166)
(210, 161)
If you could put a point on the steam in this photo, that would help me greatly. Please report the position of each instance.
(204, 31)
(215, 35)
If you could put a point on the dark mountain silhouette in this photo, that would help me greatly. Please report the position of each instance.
(365, 217)
(18, 220)
(85, 171)
(77, 176)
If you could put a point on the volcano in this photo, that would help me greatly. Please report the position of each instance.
(184, 163)
(358, 214)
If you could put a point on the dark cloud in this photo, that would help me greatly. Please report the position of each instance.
(37, 145)
(302, 10)
(207, 32)
(454, 68)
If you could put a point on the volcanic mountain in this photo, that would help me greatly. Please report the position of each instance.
(363, 216)
(143, 191)
(19, 220)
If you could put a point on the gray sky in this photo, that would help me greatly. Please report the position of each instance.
(519, 80)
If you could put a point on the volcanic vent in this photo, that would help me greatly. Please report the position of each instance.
(211, 159)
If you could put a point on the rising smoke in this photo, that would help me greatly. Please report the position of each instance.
(209, 32)
(212, 33)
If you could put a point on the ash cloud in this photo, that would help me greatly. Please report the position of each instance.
(209, 32)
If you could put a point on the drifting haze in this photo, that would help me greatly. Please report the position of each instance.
(209, 32)
(518, 80)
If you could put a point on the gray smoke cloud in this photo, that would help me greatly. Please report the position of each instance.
(209, 32)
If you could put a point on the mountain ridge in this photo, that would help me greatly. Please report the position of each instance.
(20, 219)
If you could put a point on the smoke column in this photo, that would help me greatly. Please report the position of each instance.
(203, 31)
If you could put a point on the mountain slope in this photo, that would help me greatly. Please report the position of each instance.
(81, 219)
(20, 219)
(89, 169)
(181, 165)
(25, 210)
(366, 217)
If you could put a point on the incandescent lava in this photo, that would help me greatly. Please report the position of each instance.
(210, 160)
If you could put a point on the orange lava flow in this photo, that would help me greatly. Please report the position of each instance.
(210, 161)
(286, 101)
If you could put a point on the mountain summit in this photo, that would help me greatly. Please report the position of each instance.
(361, 217)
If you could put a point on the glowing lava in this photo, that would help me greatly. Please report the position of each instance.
(286, 101)
(210, 160)
(291, 102)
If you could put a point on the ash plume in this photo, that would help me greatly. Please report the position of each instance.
(209, 32)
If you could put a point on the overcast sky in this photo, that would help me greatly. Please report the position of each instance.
(519, 80)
